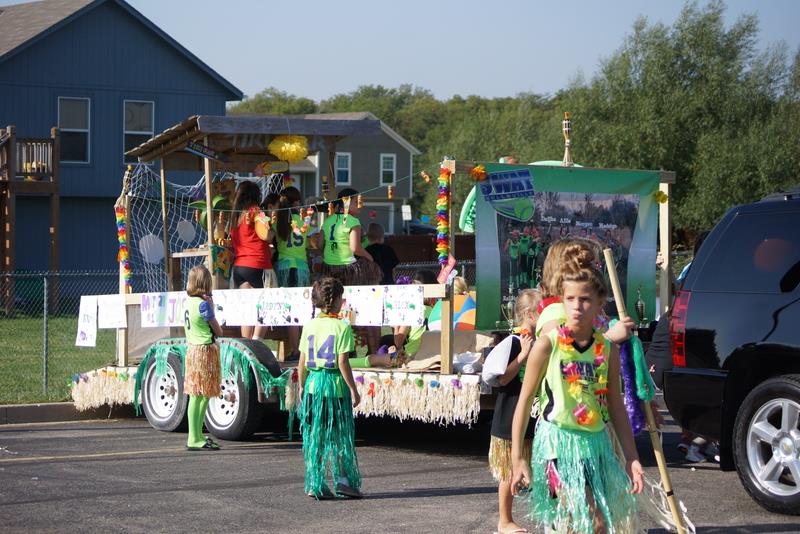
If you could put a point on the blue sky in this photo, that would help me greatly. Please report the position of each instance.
(319, 48)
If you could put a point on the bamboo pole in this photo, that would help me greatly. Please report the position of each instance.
(209, 216)
(658, 450)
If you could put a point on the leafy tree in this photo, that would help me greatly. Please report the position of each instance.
(277, 102)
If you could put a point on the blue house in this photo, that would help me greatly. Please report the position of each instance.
(109, 79)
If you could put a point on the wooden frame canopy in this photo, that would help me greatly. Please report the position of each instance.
(241, 140)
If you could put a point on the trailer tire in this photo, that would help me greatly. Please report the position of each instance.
(236, 414)
(162, 396)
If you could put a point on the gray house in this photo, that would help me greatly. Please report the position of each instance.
(367, 164)
(109, 79)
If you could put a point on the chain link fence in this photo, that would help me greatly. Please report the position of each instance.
(465, 268)
(38, 325)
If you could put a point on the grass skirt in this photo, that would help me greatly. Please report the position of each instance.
(328, 432)
(203, 372)
(567, 467)
(361, 272)
(301, 278)
(500, 457)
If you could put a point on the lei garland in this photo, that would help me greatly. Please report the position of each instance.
(442, 216)
(122, 252)
(576, 383)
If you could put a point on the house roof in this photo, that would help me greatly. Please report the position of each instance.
(22, 25)
(365, 115)
(243, 139)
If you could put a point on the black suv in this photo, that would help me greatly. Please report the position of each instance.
(735, 342)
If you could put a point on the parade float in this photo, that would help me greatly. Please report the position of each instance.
(172, 215)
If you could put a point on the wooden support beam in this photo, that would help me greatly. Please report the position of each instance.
(209, 215)
(446, 346)
(165, 228)
(665, 247)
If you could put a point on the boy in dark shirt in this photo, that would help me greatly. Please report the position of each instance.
(383, 255)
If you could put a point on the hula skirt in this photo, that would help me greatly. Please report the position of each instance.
(203, 373)
(500, 457)
(329, 445)
(571, 468)
(361, 272)
(286, 278)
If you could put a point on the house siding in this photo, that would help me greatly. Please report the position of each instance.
(108, 56)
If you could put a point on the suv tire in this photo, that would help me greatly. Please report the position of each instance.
(766, 444)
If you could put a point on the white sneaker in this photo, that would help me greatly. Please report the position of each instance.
(694, 455)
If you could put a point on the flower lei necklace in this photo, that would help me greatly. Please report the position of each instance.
(578, 385)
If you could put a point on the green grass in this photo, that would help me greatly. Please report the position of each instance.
(21, 358)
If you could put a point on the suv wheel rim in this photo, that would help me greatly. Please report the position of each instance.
(224, 409)
(773, 447)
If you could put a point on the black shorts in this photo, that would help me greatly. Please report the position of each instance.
(251, 275)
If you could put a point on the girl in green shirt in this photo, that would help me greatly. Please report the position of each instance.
(291, 237)
(576, 482)
(328, 395)
(343, 256)
(203, 373)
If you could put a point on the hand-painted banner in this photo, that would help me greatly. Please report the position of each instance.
(614, 208)
(87, 322)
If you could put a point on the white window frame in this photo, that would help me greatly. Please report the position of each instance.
(394, 168)
(392, 209)
(134, 132)
(336, 169)
(87, 131)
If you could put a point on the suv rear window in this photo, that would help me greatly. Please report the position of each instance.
(756, 254)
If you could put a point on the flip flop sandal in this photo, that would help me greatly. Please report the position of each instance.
(325, 495)
(206, 447)
(213, 444)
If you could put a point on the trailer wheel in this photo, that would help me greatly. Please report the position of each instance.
(162, 396)
(236, 413)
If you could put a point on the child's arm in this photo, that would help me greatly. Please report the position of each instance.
(619, 418)
(537, 363)
(512, 370)
(207, 313)
(621, 331)
(355, 244)
(302, 372)
(347, 374)
(400, 335)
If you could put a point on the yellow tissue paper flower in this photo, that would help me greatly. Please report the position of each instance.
(289, 148)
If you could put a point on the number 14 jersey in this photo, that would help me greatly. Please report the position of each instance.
(323, 340)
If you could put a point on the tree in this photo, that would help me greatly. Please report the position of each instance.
(276, 102)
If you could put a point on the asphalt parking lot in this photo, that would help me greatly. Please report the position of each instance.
(122, 476)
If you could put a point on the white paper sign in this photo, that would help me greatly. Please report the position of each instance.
(163, 309)
(111, 311)
(87, 322)
(404, 305)
(286, 306)
(365, 303)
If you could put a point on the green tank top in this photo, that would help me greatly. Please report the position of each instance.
(513, 250)
(524, 244)
(294, 247)
(336, 231)
(414, 338)
(196, 328)
(574, 392)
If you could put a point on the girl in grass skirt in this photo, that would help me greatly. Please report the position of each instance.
(576, 482)
(203, 372)
(517, 348)
(328, 394)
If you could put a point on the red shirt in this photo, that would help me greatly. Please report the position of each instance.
(249, 249)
